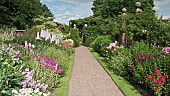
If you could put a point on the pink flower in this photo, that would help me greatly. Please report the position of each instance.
(60, 70)
(136, 60)
(154, 80)
(47, 66)
(159, 83)
(149, 76)
(166, 50)
(163, 78)
(157, 88)
(131, 67)
(157, 72)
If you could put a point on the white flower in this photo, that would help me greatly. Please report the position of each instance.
(5, 63)
(38, 36)
(33, 46)
(44, 94)
(37, 90)
(40, 93)
(14, 91)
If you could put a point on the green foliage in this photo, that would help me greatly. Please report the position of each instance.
(96, 26)
(111, 8)
(74, 35)
(20, 13)
(10, 70)
(101, 43)
(146, 26)
(28, 36)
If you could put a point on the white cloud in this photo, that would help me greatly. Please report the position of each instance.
(69, 9)
(162, 8)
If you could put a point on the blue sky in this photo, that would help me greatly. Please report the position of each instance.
(64, 10)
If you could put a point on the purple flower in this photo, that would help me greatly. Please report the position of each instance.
(54, 68)
(47, 66)
(46, 59)
(60, 70)
(24, 83)
(36, 85)
(131, 67)
(43, 86)
(29, 75)
(52, 62)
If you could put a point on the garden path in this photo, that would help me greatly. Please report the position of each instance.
(88, 78)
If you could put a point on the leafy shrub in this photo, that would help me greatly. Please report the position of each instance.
(28, 36)
(119, 62)
(100, 44)
(88, 42)
(74, 35)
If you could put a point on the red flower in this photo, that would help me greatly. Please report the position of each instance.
(157, 88)
(163, 79)
(154, 80)
(159, 83)
(157, 72)
(149, 76)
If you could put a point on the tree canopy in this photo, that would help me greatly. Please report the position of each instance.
(20, 13)
(111, 8)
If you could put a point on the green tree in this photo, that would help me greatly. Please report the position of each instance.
(20, 13)
(111, 8)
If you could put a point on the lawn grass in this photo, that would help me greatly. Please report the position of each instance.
(62, 89)
(123, 84)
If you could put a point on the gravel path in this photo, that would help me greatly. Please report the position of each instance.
(88, 78)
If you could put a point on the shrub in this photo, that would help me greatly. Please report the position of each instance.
(100, 44)
(74, 35)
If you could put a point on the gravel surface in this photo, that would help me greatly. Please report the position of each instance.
(88, 78)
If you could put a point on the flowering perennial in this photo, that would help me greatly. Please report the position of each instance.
(157, 80)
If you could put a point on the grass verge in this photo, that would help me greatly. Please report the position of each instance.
(62, 89)
(123, 84)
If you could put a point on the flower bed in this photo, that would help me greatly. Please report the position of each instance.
(33, 69)
(143, 64)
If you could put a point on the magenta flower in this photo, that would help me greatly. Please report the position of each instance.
(47, 66)
(53, 63)
(46, 59)
(149, 76)
(54, 68)
(144, 57)
(131, 67)
(37, 58)
(60, 70)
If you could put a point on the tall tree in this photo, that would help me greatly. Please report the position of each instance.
(111, 8)
(20, 13)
